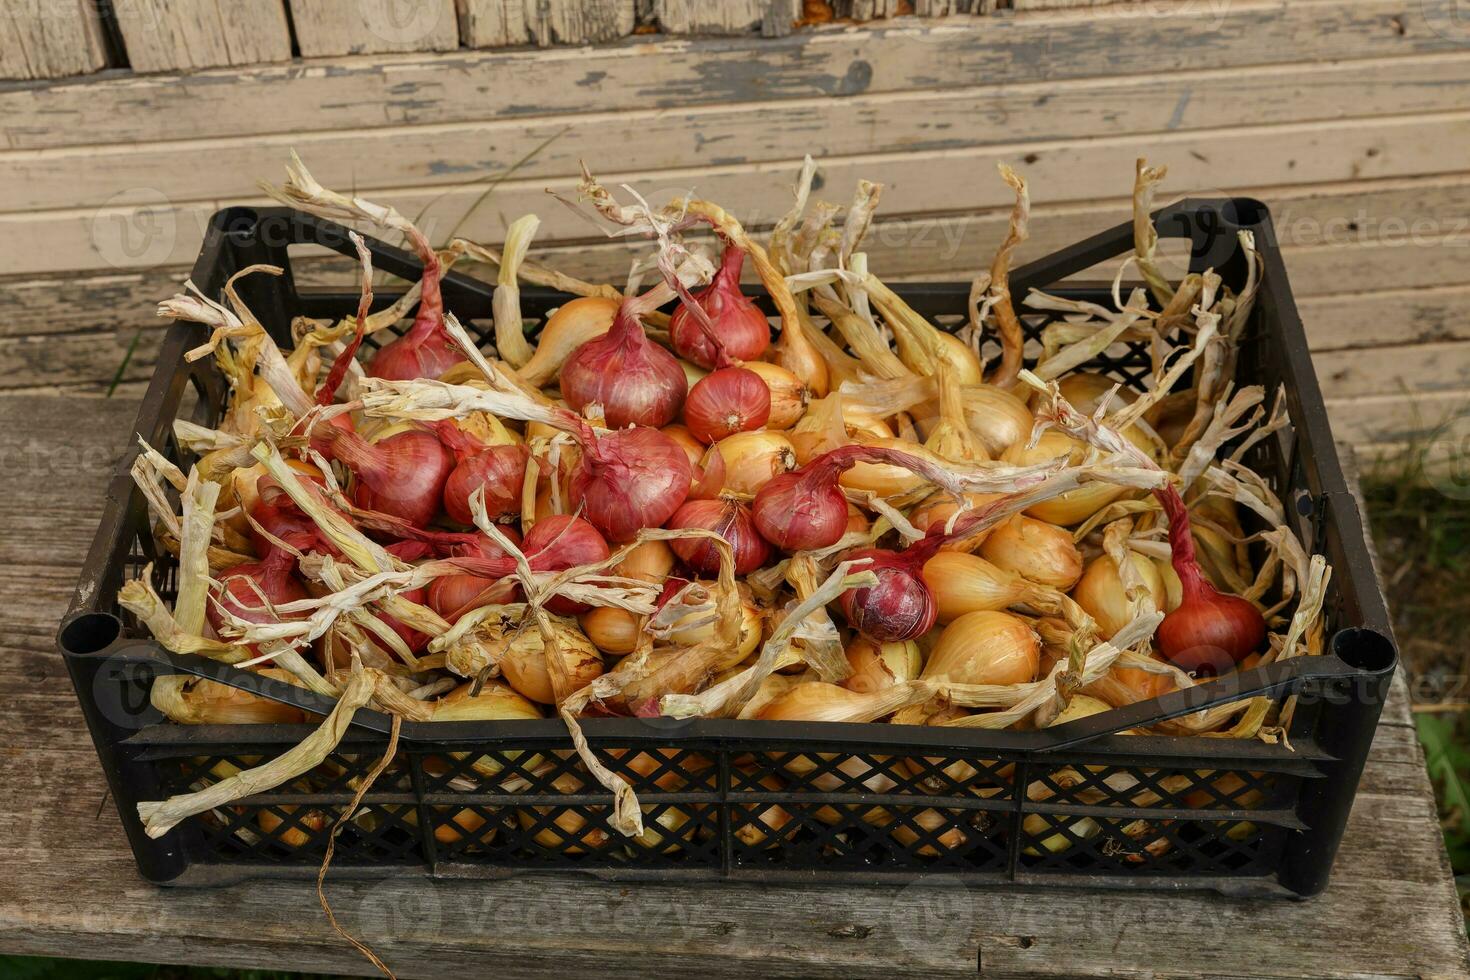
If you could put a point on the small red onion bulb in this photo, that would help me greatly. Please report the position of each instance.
(732, 521)
(727, 401)
(899, 607)
(635, 381)
(629, 479)
(738, 322)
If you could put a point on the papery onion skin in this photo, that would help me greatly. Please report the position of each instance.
(629, 479)
(985, 647)
(402, 475)
(499, 469)
(559, 542)
(737, 320)
(425, 351)
(1101, 594)
(899, 607)
(878, 665)
(753, 459)
(731, 520)
(789, 395)
(635, 381)
(727, 401)
(1035, 550)
(795, 516)
(573, 324)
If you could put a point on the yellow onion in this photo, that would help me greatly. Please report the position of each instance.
(271, 822)
(985, 647)
(1229, 787)
(997, 417)
(1123, 686)
(752, 458)
(935, 510)
(963, 583)
(523, 662)
(765, 824)
(751, 623)
(612, 630)
(196, 701)
(1173, 588)
(822, 429)
(495, 702)
(1100, 591)
(692, 447)
(650, 561)
(878, 665)
(1074, 506)
(957, 356)
(820, 701)
(788, 395)
(954, 834)
(569, 832)
(572, 325)
(452, 826)
(663, 830)
(646, 764)
(1035, 550)
(897, 484)
(1085, 390)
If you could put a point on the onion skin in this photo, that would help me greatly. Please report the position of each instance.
(635, 381)
(273, 576)
(795, 513)
(727, 401)
(402, 475)
(1101, 594)
(1211, 631)
(731, 520)
(738, 322)
(559, 542)
(612, 630)
(963, 583)
(753, 459)
(879, 665)
(985, 647)
(789, 395)
(629, 479)
(900, 607)
(425, 351)
(501, 470)
(1035, 550)
(572, 325)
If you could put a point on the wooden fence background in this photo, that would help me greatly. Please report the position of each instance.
(1348, 117)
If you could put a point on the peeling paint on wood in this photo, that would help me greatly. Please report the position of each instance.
(326, 28)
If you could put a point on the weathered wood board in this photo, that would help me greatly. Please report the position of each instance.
(326, 28)
(1390, 912)
(183, 35)
(50, 39)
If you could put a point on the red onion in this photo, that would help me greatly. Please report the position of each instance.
(727, 401)
(286, 522)
(272, 577)
(731, 520)
(426, 350)
(635, 381)
(500, 469)
(900, 606)
(805, 509)
(408, 551)
(739, 323)
(559, 542)
(628, 479)
(452, 595)
(1210, 632)
(402, 475)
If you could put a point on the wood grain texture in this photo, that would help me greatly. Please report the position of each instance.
(183, 35)
(1390, 911)
(326, 28)
(492, 23)
(580, 21)
(50, 39)
(674, 73)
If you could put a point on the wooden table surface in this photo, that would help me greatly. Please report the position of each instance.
(68, 885)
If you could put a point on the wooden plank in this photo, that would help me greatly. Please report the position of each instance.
(327, 28)
(722, 16)
(492, 23)
(1393, 370)
(670, 73)
(169, 35)
(1400, 418)
(580, 21)
(50, 39)
(655, 139)
(916, 183)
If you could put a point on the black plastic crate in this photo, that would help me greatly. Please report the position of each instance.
(1069, 805)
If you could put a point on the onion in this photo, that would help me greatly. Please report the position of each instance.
(650, 561)
(568, 832)
(572, 325)
(732, 521)
(242, 587)
(894, 482)
(900, 606)
(932, 514)
(805, 509)
(751, 459)
(453, 595)
(1101, 594)
(764, 824)
(635, 381)
(1035, 550)
(739, 324)
(611, 630)
(963, 583)
(997, 417)
(629, 479)
(402, 475)
(500, 470)
(1084, 391)
(789, 396)
(1074, 506)
(681, 435)
(559, 542)
(730, 400)
(878, 665)
(751, 623)
(425, 351)
(985, 647)
(523, 662)
(1211, 631)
